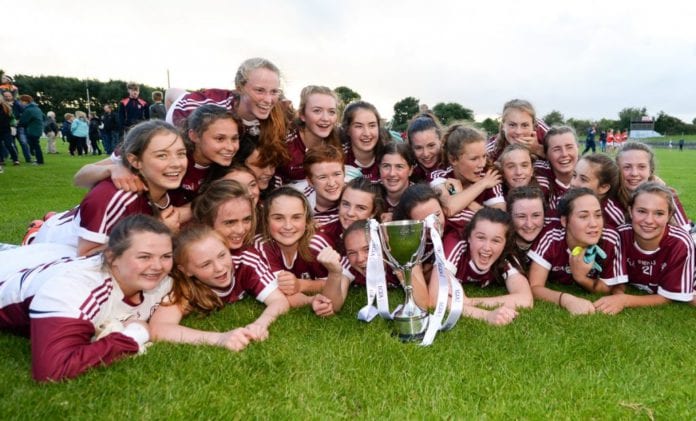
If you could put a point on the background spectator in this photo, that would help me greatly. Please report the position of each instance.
(157, 110)
(132, 109)
(110, 130)
(32, 121)
(51, 130)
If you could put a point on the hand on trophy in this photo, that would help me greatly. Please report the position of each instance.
(322, 306)
(330, 259)
(287, 282)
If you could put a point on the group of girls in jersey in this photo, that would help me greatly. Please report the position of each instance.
(246, 196)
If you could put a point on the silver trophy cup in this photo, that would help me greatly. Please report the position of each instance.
(403, 243)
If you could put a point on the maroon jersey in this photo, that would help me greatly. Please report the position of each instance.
(370, 172)
(333, 231)
(302, 269)
(192, 100)
(466, 270)
(493, 154)
(427, 175)
(489, 197)
(460, 220)
(551, 252)
(293, 170)
(680, 218)
(553, 188)
(94, 218)
(668, 271)
(190, 184)
(360, 281)
(324, 217)
(251, 275)
(613, 213)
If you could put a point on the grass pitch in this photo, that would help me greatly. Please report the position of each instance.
(546, 364)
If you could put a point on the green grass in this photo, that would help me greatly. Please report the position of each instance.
(547, 364)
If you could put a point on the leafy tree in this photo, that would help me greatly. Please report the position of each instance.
(666, 124)
(490, 125)
(403, 111)
(580, 126)
(346, 95)
(451, 111)
(629, 114)
(605, 124)
(554, 118)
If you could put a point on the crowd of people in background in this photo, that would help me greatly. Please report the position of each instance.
(23, 124)
(237, 192)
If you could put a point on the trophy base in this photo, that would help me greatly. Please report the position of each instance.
(410, 328)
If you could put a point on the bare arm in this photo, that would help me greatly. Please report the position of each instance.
(276, 304)
(499, 316)
(86, 247)
(91, 174)
(336, 290)
(335, 287)
(463, 197)
(537, 281)
(164, 326)
(123, 178)
(519, 295)
(613, 304)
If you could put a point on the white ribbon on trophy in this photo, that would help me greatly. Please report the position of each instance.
(445, 283)
(375, 280)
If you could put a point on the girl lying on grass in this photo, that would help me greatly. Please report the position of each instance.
(636, 162)
(91, 311)
(483, 257)
(207, 278)
(526, 209)
(578, 250)
(228, 208)
(659, 256)
(302, 260)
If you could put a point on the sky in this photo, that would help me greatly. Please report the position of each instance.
(586, 59)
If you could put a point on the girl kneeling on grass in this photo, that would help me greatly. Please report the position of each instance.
(659, 257)
(568, 253)
(155, 153)
(207, 279)
(91, 311)
(302, 260)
